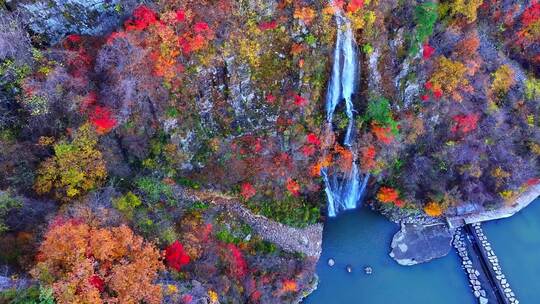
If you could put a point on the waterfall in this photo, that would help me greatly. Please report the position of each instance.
(343, 189)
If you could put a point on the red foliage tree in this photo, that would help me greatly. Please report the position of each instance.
(175, 256)
(390, 195)
(142, 18)
(532, 181)
(247, 191)
(255, 296)
(399, 203)
(270, 98)
(531, 14)
(427, 51)
(355, 5)
(270, 25)
(438, 93)
(313, 139)
(115, 35)
(187, 298)
(293, 187)
(299, 100)
(464, 123)
(238, 266)
(97, 282)
(180, 15)
(308, 150)
(258, 146)
(102, 119)
(88, 100)
(72, 42)
(368, 158)
(387, 195)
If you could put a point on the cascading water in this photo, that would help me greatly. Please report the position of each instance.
(343, 189)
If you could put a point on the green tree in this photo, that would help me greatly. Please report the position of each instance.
(7, 203)
(379, 111)
(425, 16)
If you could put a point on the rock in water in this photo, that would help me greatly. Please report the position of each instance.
(368, 270)
(348, 268)
(331, 262)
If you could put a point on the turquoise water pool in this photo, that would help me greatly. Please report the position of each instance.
(516, 242)
(362, 237)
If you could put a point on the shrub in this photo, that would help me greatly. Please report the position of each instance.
(155, 190)
(532, 88)
(75, 168)
(291, 210)
(30, 295)
(85, 264)
(127, 204)
(13, 74)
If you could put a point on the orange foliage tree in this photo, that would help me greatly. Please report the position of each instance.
(389, 195)
(383, 134)
(468, 46)
(368, 157)
(433, 209)
(85, 264)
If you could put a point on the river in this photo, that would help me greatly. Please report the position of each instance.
(362, 237)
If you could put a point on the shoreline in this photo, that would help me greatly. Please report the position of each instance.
(420, 242)
(520, 203)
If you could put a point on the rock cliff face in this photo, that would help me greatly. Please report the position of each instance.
(53, 20)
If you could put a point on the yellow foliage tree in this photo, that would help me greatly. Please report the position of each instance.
(84, 264)
(503, 79)
(75, 168)
(465, 8)
(449, 75)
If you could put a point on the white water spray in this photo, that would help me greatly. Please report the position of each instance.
(343, 190)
